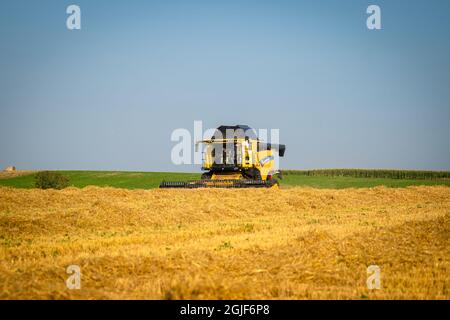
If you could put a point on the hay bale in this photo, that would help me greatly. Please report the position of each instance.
(10, 169)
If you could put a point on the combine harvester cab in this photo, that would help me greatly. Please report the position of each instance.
(234, 157)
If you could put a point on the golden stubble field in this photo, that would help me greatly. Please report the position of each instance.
(297, 243)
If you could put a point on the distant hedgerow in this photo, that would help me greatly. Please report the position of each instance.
(51, 180)
(372, 173)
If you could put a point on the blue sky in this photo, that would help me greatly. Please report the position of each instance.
(108, 96)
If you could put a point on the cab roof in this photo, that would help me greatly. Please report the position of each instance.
(239, 130)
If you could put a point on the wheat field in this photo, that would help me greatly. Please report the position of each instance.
(296, 243)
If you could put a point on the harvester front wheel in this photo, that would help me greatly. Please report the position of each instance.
(206, 176)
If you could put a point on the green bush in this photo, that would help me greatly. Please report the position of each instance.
(51, 180)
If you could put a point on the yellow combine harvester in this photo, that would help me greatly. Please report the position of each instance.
(234, 157)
